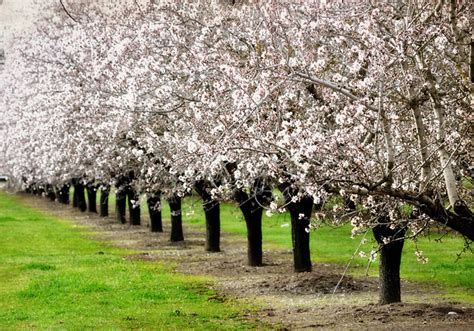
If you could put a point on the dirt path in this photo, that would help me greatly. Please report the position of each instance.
(289, 300)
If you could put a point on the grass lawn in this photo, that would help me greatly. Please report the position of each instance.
(53, 277)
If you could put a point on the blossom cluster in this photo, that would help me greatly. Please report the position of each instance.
(374, 101)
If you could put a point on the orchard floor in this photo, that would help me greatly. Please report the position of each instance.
(287, 300)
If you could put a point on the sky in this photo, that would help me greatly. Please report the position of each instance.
(20, 14)
(15, 15)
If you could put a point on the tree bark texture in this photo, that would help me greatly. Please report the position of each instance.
(50, 194)
(300, 213)
(253, 221)
(63, 194)
(39, 189)
(133, 206)
(213, 226)
(74, 197)
(176, 219)
(92, 198)
(104, 201)
(390, 259)
(120, 204)
(212, 213)
(80, 196)
(154, 209)
(251, 207)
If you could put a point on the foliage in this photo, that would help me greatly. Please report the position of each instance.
(370, 103)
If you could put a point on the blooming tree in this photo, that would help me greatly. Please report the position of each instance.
(370, 102)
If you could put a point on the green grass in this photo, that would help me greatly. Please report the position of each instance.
(334, 245)
(53, 277)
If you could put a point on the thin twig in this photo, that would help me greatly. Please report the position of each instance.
(67, 12)
(349, 263)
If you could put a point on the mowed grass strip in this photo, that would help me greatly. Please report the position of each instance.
(53, 277)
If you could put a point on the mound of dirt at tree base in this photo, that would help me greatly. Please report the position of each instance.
(287, 300)
(308, 283)
(399, 316)
(272, 278)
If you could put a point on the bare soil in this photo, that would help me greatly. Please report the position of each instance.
(288, 300)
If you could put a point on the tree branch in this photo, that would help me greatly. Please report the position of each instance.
(67, 12)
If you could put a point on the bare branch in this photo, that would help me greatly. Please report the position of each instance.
(67, 12)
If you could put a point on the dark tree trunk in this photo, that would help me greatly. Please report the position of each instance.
(63, 194)
(37, 189)
(104, 201)
(92, 198)
(251, 207)
(253, 221)
(154, 209)
(299, 232)
(50, 192)
(176, 220)
(390, 259)
(121, 204)
(28, 187)
(213, 226)
(80, 196)
(134, 206)
(34, 189)
(300, 212)
(74, 197)
(252, 210)
(40, 190)
(213, 220)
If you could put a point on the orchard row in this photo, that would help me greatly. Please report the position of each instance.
(364, 111)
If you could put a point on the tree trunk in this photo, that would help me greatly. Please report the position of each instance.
(176, 220)
(213, 226)
(40, 190)
(50, 192)
(104, 201)
(80, 196)
(390, 259)
(74, 197)
(63, 194)
(120, 204)
(134, 206)
(251, 207)
(253, 221)
(300, 212)
(154, 209)
(213, 221)
(252, 210)
(92, 198)
(34, 189)
(300, 234)
(28, 187)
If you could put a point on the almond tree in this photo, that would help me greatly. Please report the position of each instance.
(233, 100)
(359, 106)
(387, 94)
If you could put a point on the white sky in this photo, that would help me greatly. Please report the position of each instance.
(14, 15)
(20, 14)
